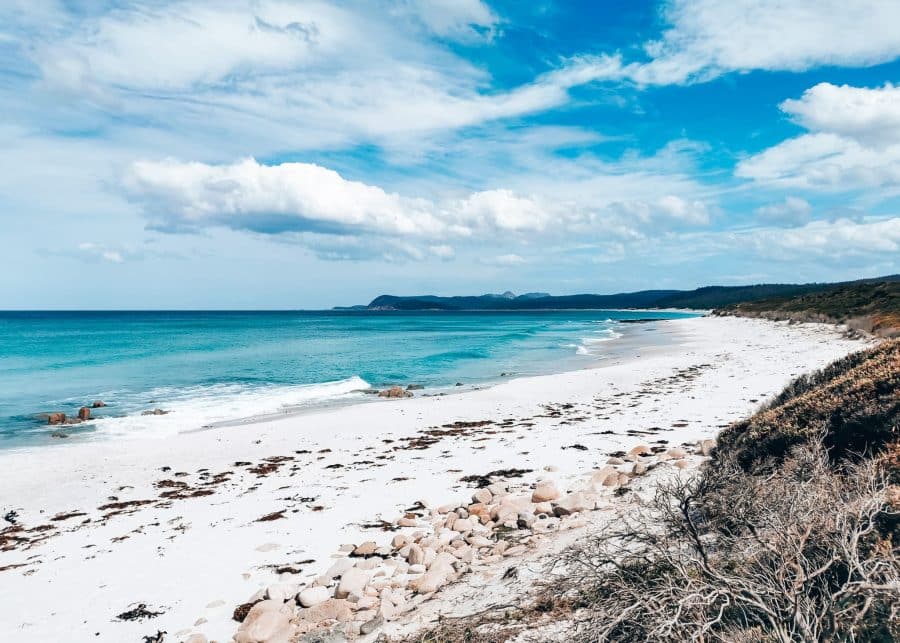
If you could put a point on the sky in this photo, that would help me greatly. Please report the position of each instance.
(270, 154)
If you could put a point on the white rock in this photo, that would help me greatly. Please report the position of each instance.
(483, 496)
(416, 555)
(281, 591)
(353, 583)
(338, 567)
(573, 503)
(544, 491)
(313, 596)
(438, 574)
(266, 622)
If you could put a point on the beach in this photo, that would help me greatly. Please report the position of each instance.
(192, 525)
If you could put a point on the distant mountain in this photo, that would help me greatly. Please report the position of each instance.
(708, 297)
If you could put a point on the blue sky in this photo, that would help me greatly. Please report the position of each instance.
(292, 154)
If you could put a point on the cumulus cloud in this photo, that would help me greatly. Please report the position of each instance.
(341, 218)
(707, 38)
(791, 211)
(868, 115)
(667, 210)
(829, 240)
(853, 142)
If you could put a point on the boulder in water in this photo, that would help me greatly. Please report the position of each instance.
(394, 392)
(56, 418)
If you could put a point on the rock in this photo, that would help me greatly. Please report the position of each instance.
(676, 453)
(334, 609)
(399, 541)
(573, 503)
(365, 550)
(154, 412)
(415, 387)
(281, 591)
(544, 491)
(463, 525)
(611, 480)
(640, 449)
(498, 489)
(524, 520)
(407, 522)
(395, 392)
(265, 623)
(59, 434)
(337, 568)
(543, 508)
(682, 464)
(370, 626)
(416, 555)
(639, 469)
(353, 583)
(615, 461)
(599, 475)
(483, 496)
(99, 404)
(196, 638)
(56, 418)
(707, 446)
(84, 413)
(312, 596)
(438, 574)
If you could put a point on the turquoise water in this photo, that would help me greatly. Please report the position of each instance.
(214, 367)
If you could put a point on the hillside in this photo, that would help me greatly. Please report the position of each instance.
(871, 306)
(707, 297)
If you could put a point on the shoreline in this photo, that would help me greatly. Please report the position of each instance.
(195, 556)
(93, 433)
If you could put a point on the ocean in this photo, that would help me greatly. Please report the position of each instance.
(212, 368)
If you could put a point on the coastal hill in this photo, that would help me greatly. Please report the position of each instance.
(872, 306)
(707, 297)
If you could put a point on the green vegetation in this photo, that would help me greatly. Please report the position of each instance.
(702, 298)
(872, 306)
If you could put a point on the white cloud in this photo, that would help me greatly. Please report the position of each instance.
(829, 240)
(668, 209)
(792, 211)
(98, 251)
(339, 218)
(867, 115)
(442, 251)
(708, 38)
(853, 143)
(510, 259)
(459, 19)
(314, 74)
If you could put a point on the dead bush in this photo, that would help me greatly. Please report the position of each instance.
(795, 555)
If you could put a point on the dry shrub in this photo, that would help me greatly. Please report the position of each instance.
(796, 555)
(855, 400)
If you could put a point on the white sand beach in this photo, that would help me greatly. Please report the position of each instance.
(194, 524)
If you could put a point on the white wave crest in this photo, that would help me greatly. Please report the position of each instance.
(197, 407)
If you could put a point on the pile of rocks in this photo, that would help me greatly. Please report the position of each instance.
(369, 584)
